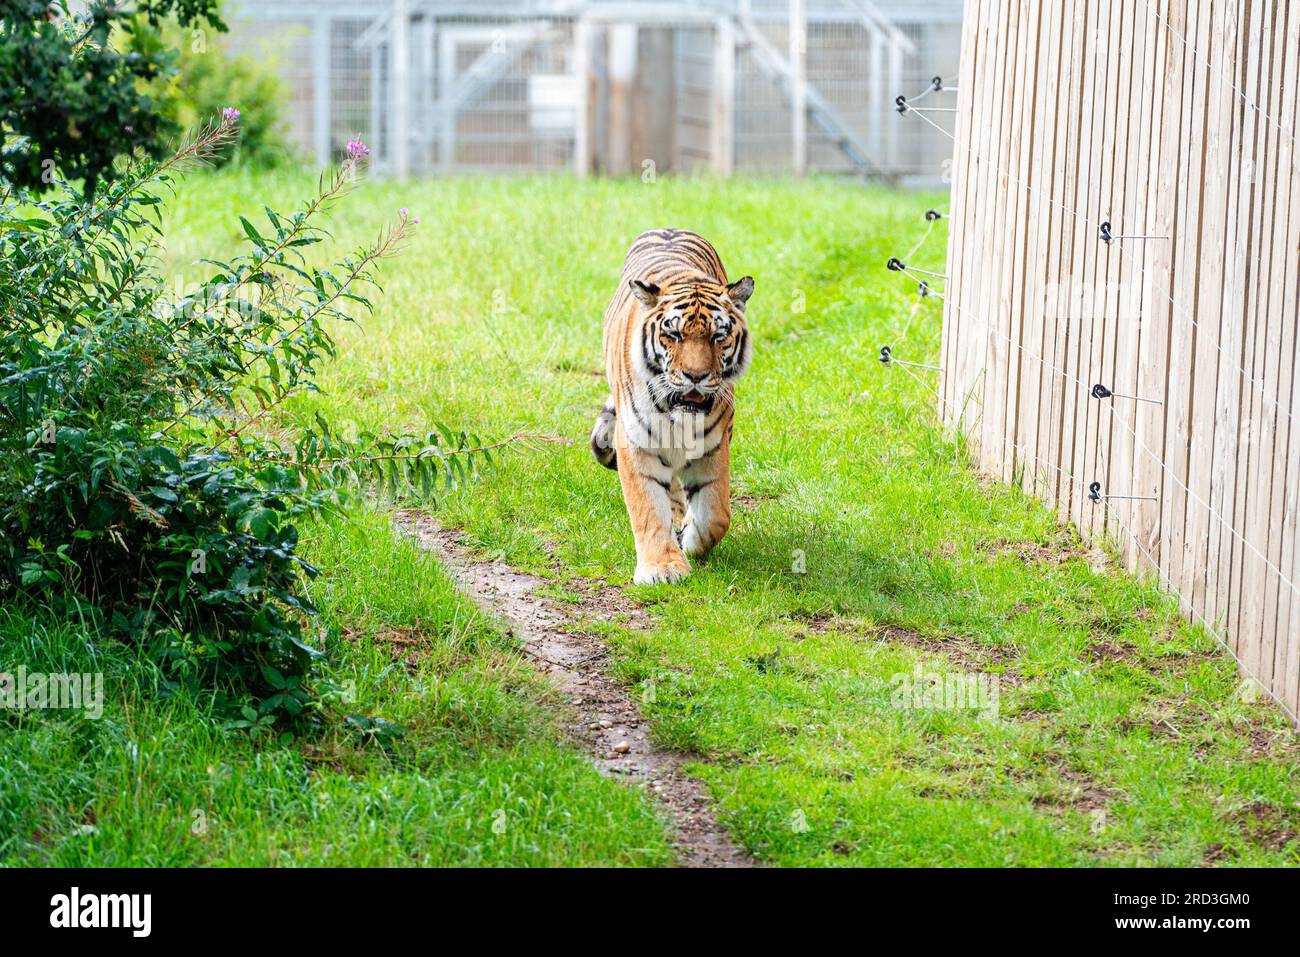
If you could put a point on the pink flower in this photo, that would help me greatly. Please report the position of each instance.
(356, 148)
(230, 115)
(406, 214)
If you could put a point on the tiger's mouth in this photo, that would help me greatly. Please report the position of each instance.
(693, 401)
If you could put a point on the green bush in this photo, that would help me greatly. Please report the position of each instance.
(74, 102)
(140, 487)
(206, 79)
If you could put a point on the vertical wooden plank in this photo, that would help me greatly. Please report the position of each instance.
(1073, 238)
(1206, 237)
(964, 299)
(989, 211)
(1153, 375)
(952, 387)
(1083, 311)
(1183, 243)
(1284, 315)
(1263, 377)
(1057, 230)
(1286, 680)
(1071, 230)
(1035, 269)
(1013, 181)
(1249, 210)
(1021, 199)
(1109, 203)
(1228, 389)
(1283, 325)
(1136, 190)
(961, 230)
(1005, 345)
(1258, 73)
(1002, 228)
(1262, 601)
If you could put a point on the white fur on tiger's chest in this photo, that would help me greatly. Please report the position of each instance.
(677, 437)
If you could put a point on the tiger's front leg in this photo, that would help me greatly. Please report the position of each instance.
(646, 485)
(707, 483)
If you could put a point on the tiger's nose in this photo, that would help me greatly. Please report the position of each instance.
(695, 378)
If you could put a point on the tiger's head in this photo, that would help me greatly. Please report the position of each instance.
(694, 344)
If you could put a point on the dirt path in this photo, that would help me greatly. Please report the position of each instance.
(604, 715)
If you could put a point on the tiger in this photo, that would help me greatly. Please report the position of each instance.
(675, 343)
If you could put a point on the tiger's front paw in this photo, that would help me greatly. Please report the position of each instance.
(693, 544)
(661, 574)
(697, 544)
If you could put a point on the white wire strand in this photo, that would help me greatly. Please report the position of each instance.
(1214, 512)
(1161, 575)
(1209, 65)
(919, 381)
(928, 281)
(911, 314)
(1276, 404)
(920, 242)
(1164, 578)
(1137, 439)
(1183, 313)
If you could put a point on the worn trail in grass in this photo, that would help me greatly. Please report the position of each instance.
(479, 774)
(864, 555)
(601, 713)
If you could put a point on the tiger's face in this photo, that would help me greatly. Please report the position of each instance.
(694, 344)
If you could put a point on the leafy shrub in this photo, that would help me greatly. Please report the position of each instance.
(207, 77)
(141, 486)
(74, 100)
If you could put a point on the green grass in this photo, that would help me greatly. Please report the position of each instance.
(1122, 736)
(479, 777)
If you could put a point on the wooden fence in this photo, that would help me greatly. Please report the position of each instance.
(1169, 126)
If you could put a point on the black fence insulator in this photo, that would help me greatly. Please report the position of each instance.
(932, 214)
(1108, 235)
(1100, 391)
(895, 264)
(900, 103)
(936, 84)
(1094, 493)
(884, 354)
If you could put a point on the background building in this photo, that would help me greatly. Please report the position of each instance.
(612, 86)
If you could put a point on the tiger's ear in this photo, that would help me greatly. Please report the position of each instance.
(647, 292)
(741, 290)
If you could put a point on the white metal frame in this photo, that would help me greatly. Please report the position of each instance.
(393, 107)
